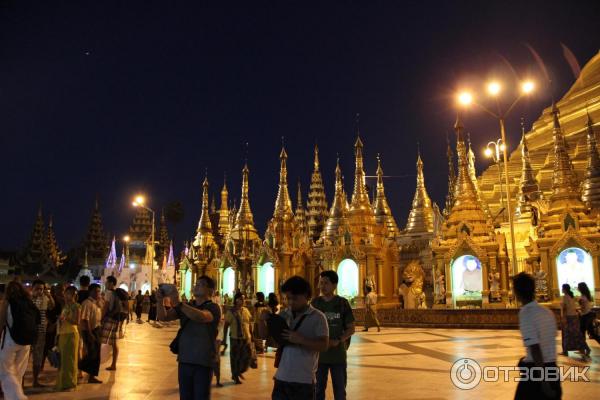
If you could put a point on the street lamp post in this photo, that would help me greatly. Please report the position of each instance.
(494, 89)
(494, 154)
(140, 201)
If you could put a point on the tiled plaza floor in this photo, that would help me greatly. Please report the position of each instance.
(396, 363)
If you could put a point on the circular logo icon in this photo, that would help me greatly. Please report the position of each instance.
(465, 373)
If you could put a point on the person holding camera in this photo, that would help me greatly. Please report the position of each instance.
(195, 344)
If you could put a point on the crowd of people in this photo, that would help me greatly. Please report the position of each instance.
(76, 329)
(60, 325)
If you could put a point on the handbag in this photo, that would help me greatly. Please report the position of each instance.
(54, 353)
(174, 346)
(106, 349)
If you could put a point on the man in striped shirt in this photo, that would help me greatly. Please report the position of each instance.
(44, 302)
(538, 329)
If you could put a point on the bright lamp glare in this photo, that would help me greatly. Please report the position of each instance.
(139, 199)
(527, 87)
(487, 152)
(465, 98)
(493, 88)
(126, 238)
(502, 147)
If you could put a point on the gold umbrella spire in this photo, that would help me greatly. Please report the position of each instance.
(283, 203)
(420, 218)
(529, 189)
(383, 213)
(337, 214)
(591, 183)
(204, 236)
(224, 225)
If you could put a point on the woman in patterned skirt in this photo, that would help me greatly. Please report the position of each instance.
(68, 341)
(572, 338)
(239, 319)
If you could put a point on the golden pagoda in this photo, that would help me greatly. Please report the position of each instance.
(470, 258)
(317, 201)
(224, 225)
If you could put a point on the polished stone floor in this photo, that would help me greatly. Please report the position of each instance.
(395, 363)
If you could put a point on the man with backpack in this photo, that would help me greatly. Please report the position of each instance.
(19, 321)
(111, 318)
(341, 327)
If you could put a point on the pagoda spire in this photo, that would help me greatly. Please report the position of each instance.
(96, 240)
(204, 235)
(473, 176)
(360, 196)
(529, 189)
(451, 179)
(420, 218)
(283, 203)
(565, 185)
(591, 183)
(317, 201)
(111, 259)
(244, 220)
(224, 225)
(300, 213)
(54, 254)
(467, 213)
(337, 214)
(383, 213)
(163, 233)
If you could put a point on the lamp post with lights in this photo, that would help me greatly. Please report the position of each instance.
(140, 201)
(493, 150)
(494, 88)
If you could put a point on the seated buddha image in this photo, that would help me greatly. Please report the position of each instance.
(472, 281)
(572, 267)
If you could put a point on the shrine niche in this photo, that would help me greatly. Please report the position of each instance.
(348, 274)
(575, 265)
(228, 283)
(266, 278)
(467, 281)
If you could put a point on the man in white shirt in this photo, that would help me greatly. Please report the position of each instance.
(538, 329)
(308, 335)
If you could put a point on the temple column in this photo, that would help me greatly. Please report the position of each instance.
(448, 275)
(361, 278)
(379, 266)
(396, 269)
(486, 267)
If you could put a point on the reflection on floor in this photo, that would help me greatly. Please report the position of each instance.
(414, 362)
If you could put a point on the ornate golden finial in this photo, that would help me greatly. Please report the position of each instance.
(420, 218)
(529, 190)
(204, 236)
(591, 183)
(564, 180)
(244, 222)
(382, 211)
(337, 214)
(224, 216)
(283, 203)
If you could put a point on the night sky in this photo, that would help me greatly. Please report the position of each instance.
(110, 99)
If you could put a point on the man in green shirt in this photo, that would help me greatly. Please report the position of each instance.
(341, 327)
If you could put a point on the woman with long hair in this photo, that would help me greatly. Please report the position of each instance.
(239, 319)
(68, 341)
(586, 315)
(13, 356)
(572, 338)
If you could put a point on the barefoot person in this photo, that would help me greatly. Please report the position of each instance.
(238, 319)
(110, 323)
(44, 302)
(538, 329)
(68, 341)
(308, 335)
(371, 318)
(91, 332)
(341, 327)
(196, 348)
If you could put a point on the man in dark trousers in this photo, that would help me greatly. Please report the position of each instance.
(341, 327)
(538, 329)
(196, 348)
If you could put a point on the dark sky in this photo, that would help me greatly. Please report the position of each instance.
(108, 99)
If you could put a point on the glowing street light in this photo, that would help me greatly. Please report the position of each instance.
(465, 98)
(140, 201)
(527, 87)
(126, 238)
(494, 88)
